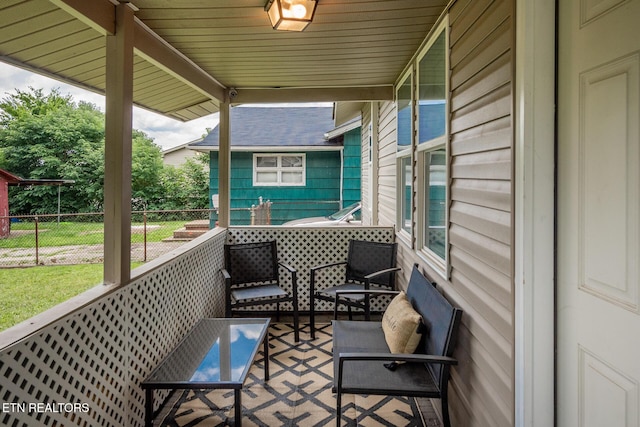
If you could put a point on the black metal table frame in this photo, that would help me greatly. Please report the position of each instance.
(236, 386)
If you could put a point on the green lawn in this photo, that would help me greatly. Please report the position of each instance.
(80, 233)
(25, 292)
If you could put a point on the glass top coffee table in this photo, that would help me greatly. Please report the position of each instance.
(215, 354)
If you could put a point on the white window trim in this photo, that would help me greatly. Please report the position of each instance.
(434, 260)
(433, 144)
(402, 153)
(534, 244)
(430, 257)
(403, 234)
(279, 169)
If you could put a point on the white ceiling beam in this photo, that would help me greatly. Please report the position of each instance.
(319, 94)
(100, 15)
(154, 49)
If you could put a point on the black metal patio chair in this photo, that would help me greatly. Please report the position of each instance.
(368, 263)
(252, 277)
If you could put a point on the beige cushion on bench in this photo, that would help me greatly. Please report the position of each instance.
(400, 324)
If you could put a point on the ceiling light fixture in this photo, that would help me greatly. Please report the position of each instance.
(290, 15)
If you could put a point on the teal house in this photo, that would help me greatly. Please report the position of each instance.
(293, 157)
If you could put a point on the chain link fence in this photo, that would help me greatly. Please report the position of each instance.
(66, 239)
(56, 239)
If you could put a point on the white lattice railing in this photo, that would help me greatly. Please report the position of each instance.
(85, 368)
(303, 248)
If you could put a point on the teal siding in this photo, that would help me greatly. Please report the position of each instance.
(319, 197)
(352, 167)
(213, 181)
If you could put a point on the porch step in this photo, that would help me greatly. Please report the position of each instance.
(178, 239)
(190, 231)
(199, 224)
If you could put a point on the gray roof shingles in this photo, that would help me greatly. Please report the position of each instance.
(276, 126)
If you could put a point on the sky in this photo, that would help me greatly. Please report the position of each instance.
(165, 132)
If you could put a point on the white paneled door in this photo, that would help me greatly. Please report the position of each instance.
(598, 299)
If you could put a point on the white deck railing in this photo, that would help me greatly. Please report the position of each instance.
(84, 367)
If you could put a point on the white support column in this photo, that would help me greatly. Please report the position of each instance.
(534, 212)
(117, 167)
(375, 157)
(224, 165)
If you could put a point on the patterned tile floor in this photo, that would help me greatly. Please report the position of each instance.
(298, 393)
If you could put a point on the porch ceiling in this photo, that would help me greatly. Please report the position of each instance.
(188, 52)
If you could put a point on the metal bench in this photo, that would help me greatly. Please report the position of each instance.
(363, 363)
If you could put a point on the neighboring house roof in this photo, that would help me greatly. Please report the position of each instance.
(344, 112)
(180, 147)
(344, 128)
(257, 128)
(15, 180)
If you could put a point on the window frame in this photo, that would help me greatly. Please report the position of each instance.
(418, 152)
(424, 170)
(402, 154)
(279, 169)
(423, 149)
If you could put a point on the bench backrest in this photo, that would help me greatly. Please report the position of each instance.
(440, 318)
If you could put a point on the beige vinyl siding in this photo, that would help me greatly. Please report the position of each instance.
(480, 213)
(387, 187)
(387, 164)
(480, 226)
(179, 157)
(365, 178)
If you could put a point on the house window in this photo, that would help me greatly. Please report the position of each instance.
(405, 194)
(435, 202)
(279, 170)
(431, 147)
(405, 115)
(422, 157)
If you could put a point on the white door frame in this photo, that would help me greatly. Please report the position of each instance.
(534, 142)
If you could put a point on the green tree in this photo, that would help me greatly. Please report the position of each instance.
(50, 137)
(172, 181)
(196, 176)
(186, 186)
(31, 103)
(146, 172)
